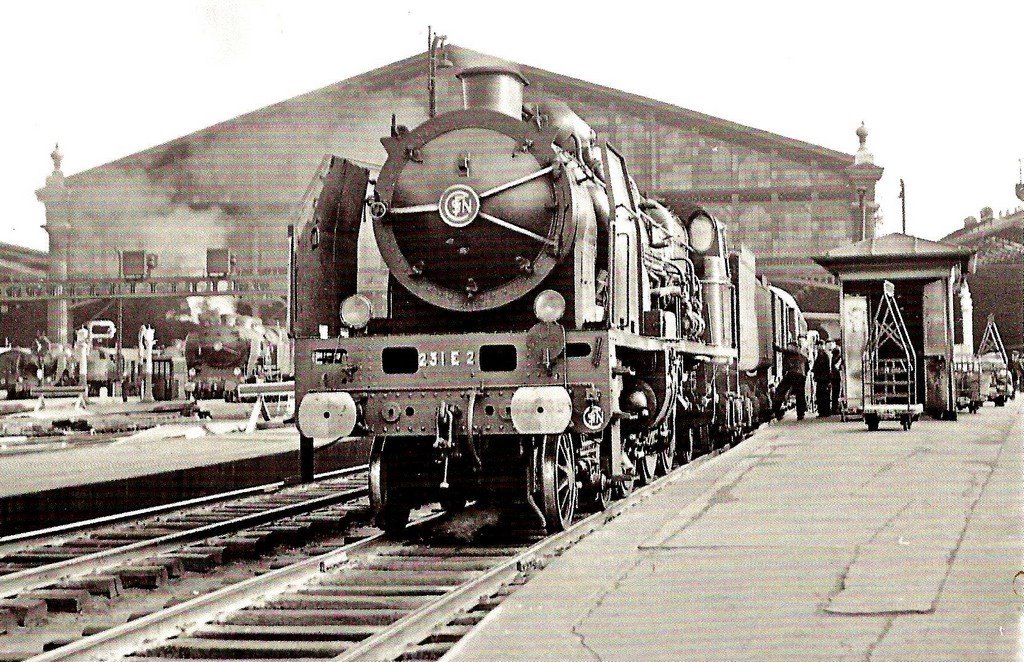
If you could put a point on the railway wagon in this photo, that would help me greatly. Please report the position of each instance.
(511, 320)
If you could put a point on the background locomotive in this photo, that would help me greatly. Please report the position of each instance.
(22, 369)
(19, 372)
(232, 350)
(545, 335)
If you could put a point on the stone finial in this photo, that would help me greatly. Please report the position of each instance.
(57, 157)
(863, 156)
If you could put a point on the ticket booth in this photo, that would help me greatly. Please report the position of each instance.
(926, 278)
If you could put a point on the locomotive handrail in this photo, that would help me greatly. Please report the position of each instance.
(514, 228)
(433, 206)
(517, 182)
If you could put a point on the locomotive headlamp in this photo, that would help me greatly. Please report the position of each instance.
(355, 311)
(549, 306)
(702, 233)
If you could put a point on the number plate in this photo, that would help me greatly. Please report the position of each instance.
(456, 358)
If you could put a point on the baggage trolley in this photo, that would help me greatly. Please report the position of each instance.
(889, 374)
(996, 381)
(968, 385)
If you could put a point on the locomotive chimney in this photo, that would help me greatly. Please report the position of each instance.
(493, 88)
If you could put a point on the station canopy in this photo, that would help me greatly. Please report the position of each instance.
(896, 252)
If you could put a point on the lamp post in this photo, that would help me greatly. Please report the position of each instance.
(436, 59)
(903, 204)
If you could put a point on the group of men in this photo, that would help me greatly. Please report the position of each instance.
(826, 372)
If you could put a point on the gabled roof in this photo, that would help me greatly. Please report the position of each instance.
(756, 138)
(382, 77)
(895, 248)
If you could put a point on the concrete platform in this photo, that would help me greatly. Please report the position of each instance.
(162, 465)
(181, 446)
(815, 540)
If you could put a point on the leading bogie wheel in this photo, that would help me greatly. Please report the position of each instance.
(559, 491)
(392, 511)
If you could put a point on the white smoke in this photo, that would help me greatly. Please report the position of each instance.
(212, 309)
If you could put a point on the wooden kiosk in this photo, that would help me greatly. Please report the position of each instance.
(924, 278)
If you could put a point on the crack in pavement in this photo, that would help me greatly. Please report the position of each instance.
(881, 635)
(857, 548)
(951, 557)
(888, 466)
(723, 493)
(614, 586)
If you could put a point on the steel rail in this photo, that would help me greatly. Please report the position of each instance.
(33, 578)
(150, 630)
(391, 643)
(73, 527)
(156, 628)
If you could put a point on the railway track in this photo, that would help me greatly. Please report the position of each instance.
(374, 599)
(56, 580)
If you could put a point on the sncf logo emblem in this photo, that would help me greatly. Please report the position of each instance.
(459, 205)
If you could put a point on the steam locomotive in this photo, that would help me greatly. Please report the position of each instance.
(223, 354)
(22, 369)
(19, 372)
(544, 336)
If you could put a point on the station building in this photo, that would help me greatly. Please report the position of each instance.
(20, 263)
(997, 285)
(238, 185)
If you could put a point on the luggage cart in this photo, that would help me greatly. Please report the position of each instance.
(996, 381)
(889, 374)
(968, 385)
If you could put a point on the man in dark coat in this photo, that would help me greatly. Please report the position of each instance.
(794, 377)
(823, 382)
(837, 376)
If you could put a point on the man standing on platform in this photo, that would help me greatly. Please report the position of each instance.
(823, 382)
(1017, 370)
(837, 376)
(794, 369)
